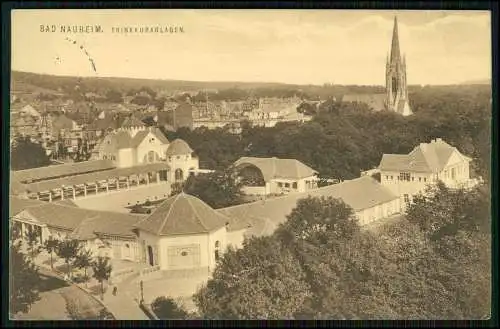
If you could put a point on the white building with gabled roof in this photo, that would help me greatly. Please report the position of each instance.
(409, 174)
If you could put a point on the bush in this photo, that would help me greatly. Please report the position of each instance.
(166, 308)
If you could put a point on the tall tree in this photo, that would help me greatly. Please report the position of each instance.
(83, 260)
(218, 189)
(50, 245)
(102, 271)
(261, 281)
(24, 280)
(68, 250)
(33, 241)
(26, 155)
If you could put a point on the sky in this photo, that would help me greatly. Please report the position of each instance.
(289, 46)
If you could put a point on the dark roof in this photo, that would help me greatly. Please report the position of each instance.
(360, 193)
(16, 205)
(183, 214)
(427, 157)
(132, 122)
(94, 177)
(277, 168)
(178, 147)
(84, 222)
(66, 169)
(66, 202)
(375, 101)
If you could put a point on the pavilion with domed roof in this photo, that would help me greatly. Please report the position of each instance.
(184, 233)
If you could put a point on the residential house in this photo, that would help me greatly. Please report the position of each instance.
(409, 174)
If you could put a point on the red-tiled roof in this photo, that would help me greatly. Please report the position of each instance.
(277, 168)
(61, 170)
(182, 214)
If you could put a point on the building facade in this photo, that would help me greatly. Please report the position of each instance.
(409, 174)
(265, 176)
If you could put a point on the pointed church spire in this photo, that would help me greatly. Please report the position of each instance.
(395, 52)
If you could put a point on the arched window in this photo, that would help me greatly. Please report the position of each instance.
(151, 156)
(179, 175)
(217, 251)
(126, 250)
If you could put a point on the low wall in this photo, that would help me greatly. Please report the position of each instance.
(253, 190)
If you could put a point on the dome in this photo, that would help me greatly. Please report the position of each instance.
(182, 214)
(178, 147)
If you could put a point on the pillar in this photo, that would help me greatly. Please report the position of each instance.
(85, 189)
(147, 178)
(38, 195)
(107, 185)
(96, 187)
(62, 193)
(158, 177)
(74, 192)
(23, 228)
(117, 183)
(50, 196)
(128, 182)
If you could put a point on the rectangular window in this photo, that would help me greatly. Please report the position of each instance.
(406, 198)
(404, 176)
(392, 177)
(387, 177)
(420, 179)
(287, 185)
(412, 179)
(425, 179)
(280, 184)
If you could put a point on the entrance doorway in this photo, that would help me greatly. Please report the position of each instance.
(150, 254)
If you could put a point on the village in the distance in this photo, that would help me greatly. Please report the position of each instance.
(135, 199)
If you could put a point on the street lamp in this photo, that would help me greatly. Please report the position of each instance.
(142, 292)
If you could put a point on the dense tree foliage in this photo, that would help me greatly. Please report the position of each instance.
(346, 138)
(166, 308)
(261, 281)
(25, 154)
(400, 270)
(24, 279)
(218, 189)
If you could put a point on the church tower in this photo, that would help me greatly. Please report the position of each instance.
(395, 73)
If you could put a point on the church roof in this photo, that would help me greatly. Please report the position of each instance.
(132, 122)
(375, 101)
(278, 168)
(179, 147)
(427, 157)
(395, 51)
(182, 214)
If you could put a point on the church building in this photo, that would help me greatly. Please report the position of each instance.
(395, 98)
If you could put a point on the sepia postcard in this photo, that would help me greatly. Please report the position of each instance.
(250, 164)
